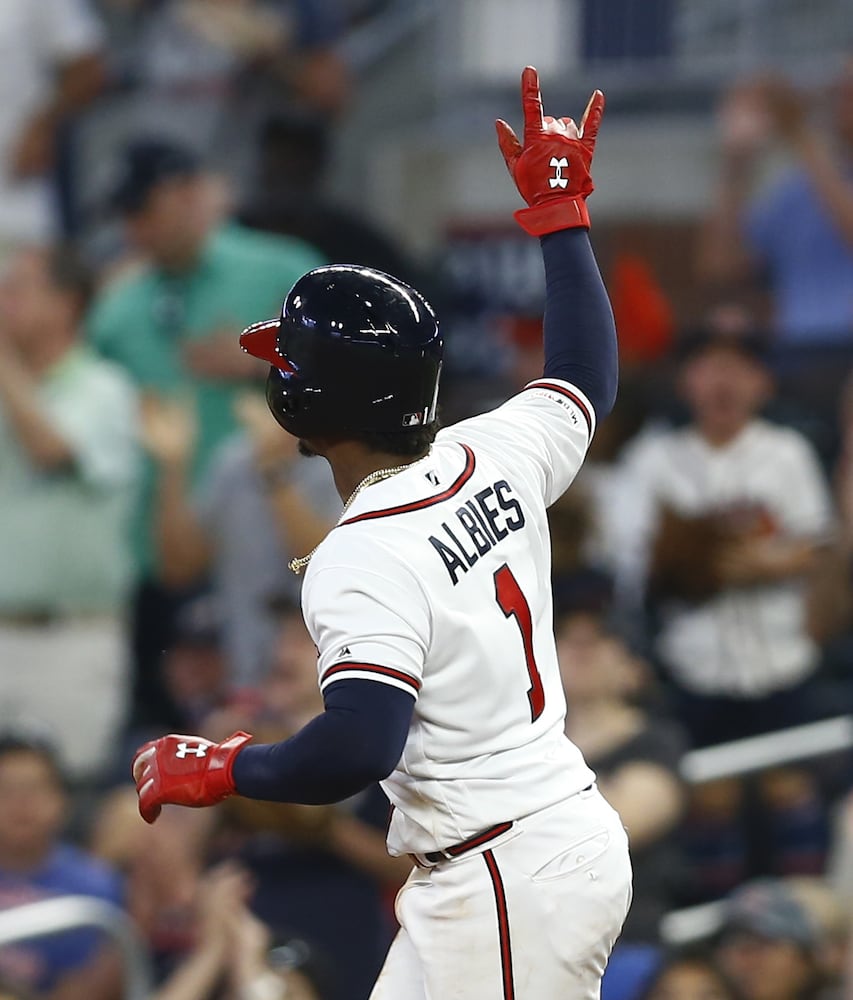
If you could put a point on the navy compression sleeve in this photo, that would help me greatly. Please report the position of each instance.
(357, 740)
(579, 332)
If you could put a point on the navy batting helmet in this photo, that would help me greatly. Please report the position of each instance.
(355, 350)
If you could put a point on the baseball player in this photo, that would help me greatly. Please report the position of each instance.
(430, 607)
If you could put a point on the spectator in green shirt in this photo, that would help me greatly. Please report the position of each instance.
(68, 465)
(173, 324)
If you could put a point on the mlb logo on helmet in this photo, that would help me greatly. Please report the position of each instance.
(413, 419)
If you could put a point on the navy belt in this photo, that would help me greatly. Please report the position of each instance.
(484, 837)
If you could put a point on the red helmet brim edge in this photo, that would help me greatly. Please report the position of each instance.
(261, 341)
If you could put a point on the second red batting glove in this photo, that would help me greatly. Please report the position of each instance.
(184, 771)
(552, 168)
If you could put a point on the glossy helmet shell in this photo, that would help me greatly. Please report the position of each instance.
(354, 350)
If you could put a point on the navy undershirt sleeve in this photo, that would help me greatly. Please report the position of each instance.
(579, 332)
(355, 742)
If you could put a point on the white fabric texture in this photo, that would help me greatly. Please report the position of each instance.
(566, 882)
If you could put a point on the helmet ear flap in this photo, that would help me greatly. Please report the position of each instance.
(282, 401)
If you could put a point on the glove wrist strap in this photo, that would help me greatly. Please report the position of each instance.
(567, 213)
(219, 779)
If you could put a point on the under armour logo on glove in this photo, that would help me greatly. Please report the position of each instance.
(183, 749)
(558, 180)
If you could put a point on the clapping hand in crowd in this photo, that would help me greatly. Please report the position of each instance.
(274, 450)
(218, 357)
(757, 111)
(249, 30)
(222, 897)
(220, 904)
(232, 947)
(168, 429)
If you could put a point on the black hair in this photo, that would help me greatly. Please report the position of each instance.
(753, 344)
(294, 151)
(295, 130)
(411, 443)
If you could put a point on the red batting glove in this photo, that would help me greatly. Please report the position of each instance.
(184, 771)
(551, 169)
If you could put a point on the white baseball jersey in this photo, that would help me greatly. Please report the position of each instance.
(437, 581)
(746, 641)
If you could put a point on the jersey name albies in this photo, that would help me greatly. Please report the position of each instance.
(437, 581)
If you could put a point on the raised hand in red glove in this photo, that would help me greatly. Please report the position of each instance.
(184, 771)
(551, 169)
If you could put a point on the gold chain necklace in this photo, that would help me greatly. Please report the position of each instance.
(298, 565)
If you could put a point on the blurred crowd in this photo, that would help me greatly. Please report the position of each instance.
(149, 507)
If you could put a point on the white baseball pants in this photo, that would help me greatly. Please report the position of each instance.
(532, 915)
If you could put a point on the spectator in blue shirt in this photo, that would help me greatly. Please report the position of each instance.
(796, 232)
(36, 864)
(793, 235)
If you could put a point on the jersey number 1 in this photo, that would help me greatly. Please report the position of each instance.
(514, 605)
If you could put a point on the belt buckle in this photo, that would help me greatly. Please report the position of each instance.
(435, 857)
(427, 860)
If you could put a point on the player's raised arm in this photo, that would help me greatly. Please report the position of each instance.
(551, 169)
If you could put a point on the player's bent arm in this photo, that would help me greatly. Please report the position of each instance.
(356, 741)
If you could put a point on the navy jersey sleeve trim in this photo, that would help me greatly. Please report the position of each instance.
(372, 668)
